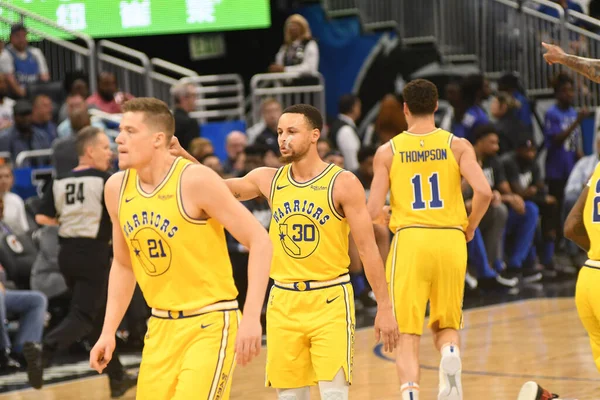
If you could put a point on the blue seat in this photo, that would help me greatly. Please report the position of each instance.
(216, 132)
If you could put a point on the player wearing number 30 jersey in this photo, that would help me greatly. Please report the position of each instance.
(422, 168)
(310, 311)
(168, 218)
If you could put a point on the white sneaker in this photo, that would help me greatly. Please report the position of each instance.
(471, 281)
(450, 383)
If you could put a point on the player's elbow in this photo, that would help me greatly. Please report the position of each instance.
(485, 193)
(569, 228)
(259, 240)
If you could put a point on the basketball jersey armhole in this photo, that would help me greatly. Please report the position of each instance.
(122, 192)
(179, 195)
(330, 199)
(274, 183)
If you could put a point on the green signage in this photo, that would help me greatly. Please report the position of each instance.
(114, 18)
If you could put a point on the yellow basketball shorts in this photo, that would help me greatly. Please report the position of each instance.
(189, 358)
(587, 299)
(427, 264)
(310, 335)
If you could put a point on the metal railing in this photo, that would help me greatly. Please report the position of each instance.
(288, 88)
(382, 14)
(30, 154)
(220, 97)
(169, 75)
(341, 8)
(132, 76)
(62, 56)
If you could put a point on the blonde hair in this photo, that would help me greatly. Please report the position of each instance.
(198, 146)
(509, 100)
(300, 20)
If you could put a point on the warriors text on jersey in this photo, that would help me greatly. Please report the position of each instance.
(425, 182)
(180, 263)
(310, 237)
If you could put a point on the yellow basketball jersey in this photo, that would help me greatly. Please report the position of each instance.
(310, 237)
(180, 263)
(425, 182)
(591, 215)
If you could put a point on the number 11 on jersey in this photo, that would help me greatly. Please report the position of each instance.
(434, 188)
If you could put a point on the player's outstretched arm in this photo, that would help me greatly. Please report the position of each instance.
(121, 282)
(218, 202)
(380, 185)
(254, 184)
(587, 67)
(472, 172)
(350, 196)
(574, 227)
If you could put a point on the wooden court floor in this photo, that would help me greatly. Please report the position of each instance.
(503, 347)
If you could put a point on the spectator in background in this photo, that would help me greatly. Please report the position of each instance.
(525, 178)
(522, 215)
(343, 134)
(22, 64)
(78, 111)
(299, 52)
(271, 111)
(451, 121)
(75, 84)
(41, 116)
(186, 127)
(30, 308)
(212, 162)
(390, 121)
(493, 224)
(108, 98)
(6, 105)
(23, 135)
(14, 216)
(64, 151)
(474, 89)
(335, 157)
(323, 148)
(563, 139)
(509, 83)
(568, 5)
(235, 143)
(505, 108)
(364, 173)
(200, 147)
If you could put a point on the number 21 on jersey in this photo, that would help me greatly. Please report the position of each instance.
(434, 189)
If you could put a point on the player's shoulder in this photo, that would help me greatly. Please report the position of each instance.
(261, 173)
(346, 182)
(114, 182)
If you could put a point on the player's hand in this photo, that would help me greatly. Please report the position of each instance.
(175, 147)
(386, 328)
(248, 342)
(518, 204)
(102, 352)
(469, 233)
(554, 55)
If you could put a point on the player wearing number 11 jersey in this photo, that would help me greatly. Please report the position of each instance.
(422, 168)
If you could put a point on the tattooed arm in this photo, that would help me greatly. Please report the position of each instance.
(574, 226)
(587, 67)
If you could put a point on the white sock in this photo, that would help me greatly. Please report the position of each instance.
(450, 349)
(410, 391)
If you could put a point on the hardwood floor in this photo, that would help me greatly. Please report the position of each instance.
(503, 346)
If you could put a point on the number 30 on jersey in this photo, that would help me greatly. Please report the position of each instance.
(434, 189)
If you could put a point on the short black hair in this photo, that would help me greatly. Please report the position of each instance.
(508, 82)
(482, 131)
(311, 114)
(421, 97)
(84, 137)
(365, 152)
(561, 80)
(256, 150)
(346, 103)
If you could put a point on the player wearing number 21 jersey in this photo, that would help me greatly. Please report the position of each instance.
(310, 311)
(423, 168)
(168, 217)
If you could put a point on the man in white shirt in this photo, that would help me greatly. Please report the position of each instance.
(6, 105)
(22, 64)
(343, 134)
(15, 216)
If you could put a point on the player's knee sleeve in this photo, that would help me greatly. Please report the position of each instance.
(336, 389)
(302, 393)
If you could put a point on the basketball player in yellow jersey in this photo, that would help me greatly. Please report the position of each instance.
(310, 311)
(423, 168)
(168, 217)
